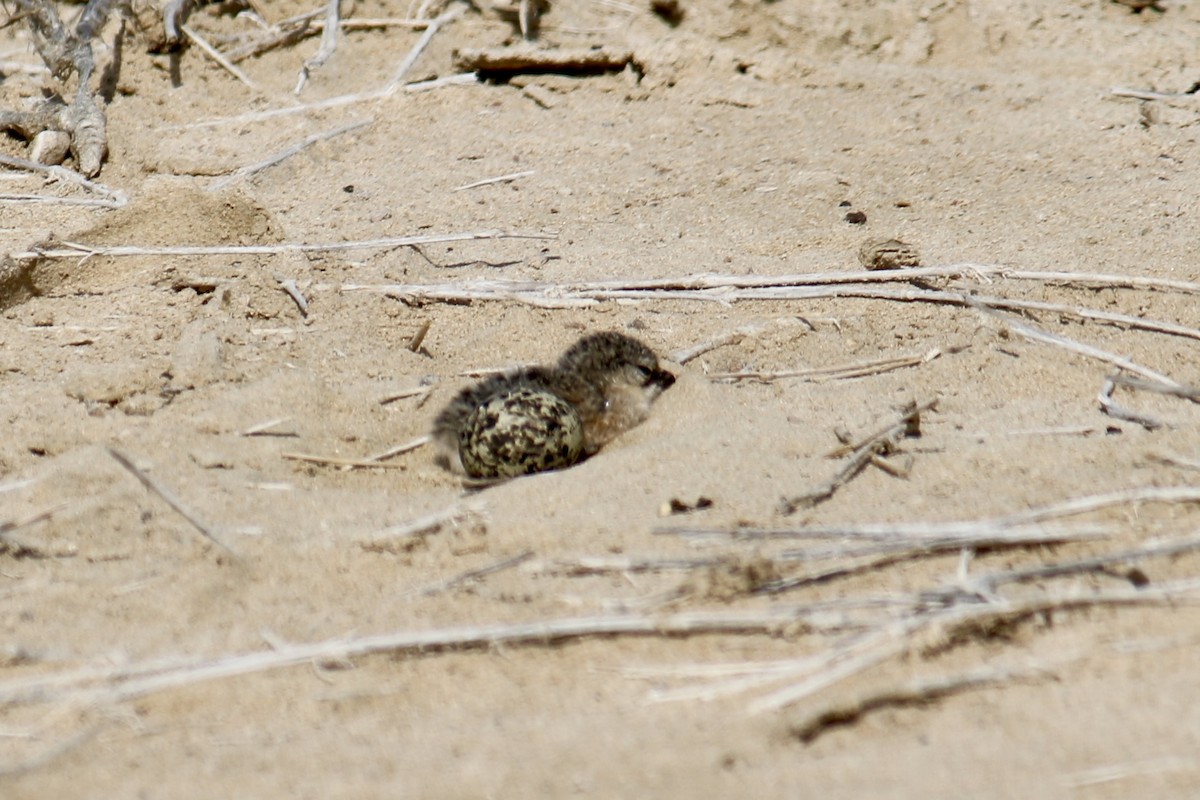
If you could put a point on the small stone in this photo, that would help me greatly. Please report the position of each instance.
(50, 147)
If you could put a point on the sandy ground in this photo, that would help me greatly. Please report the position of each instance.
(981, 132)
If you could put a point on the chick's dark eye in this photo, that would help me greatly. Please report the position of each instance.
(646, 374)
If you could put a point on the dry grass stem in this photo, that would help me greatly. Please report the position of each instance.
(470, 575)
(116, 198)
(868, 650)
(169, 498)
(329, 41)
(498, 179)
(117, 684)
(988, 583)
(400, 449)
(1116, 411)
(337, 461)
(735, 336)
(264, 428)
(419, 391)
(60, 201)
(1110, 773)
(400, 537)
(860, 369)
(452, 12)
(283, 155)
(216, 56)
(50, 754)
(77, 250)
(1087, 350)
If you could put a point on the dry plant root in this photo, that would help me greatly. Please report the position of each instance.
(66, 52)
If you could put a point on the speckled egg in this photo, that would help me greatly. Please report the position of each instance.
(522, 430)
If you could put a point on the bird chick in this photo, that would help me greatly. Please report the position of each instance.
(545, 418)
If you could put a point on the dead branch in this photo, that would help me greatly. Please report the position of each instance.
(66, 53)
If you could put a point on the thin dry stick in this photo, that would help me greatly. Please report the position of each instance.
(452, 12)
(76, 250)
(875, 445)
(400, 449)
(859, 369)
(1186, 392)
(963, 528)
(897, 637)
(138, 680)
(735, 336)
(916, 693)
(1116, 411)
(418, 338)
(60, 201)
(335, 461)
(399, 537)
(470, 575)
(1037, 335)
(898, 553)
(1096, 502)
(712, 281)
(387, 91)
(988, 583)
(420, 391)
(50, 754)
(329, 43)
(264, 428)
(169, 498)
(283, 155)
(726, 289)
(498, 179)
(117, 197)
(216, 56)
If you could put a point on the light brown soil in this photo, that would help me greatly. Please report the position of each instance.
(981, 132)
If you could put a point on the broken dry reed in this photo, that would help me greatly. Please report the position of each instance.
(77, 250)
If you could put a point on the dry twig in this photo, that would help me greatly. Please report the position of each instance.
(77, 250)
(878, 444)
(169, 498)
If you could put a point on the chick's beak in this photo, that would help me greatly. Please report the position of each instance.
(660, 378)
